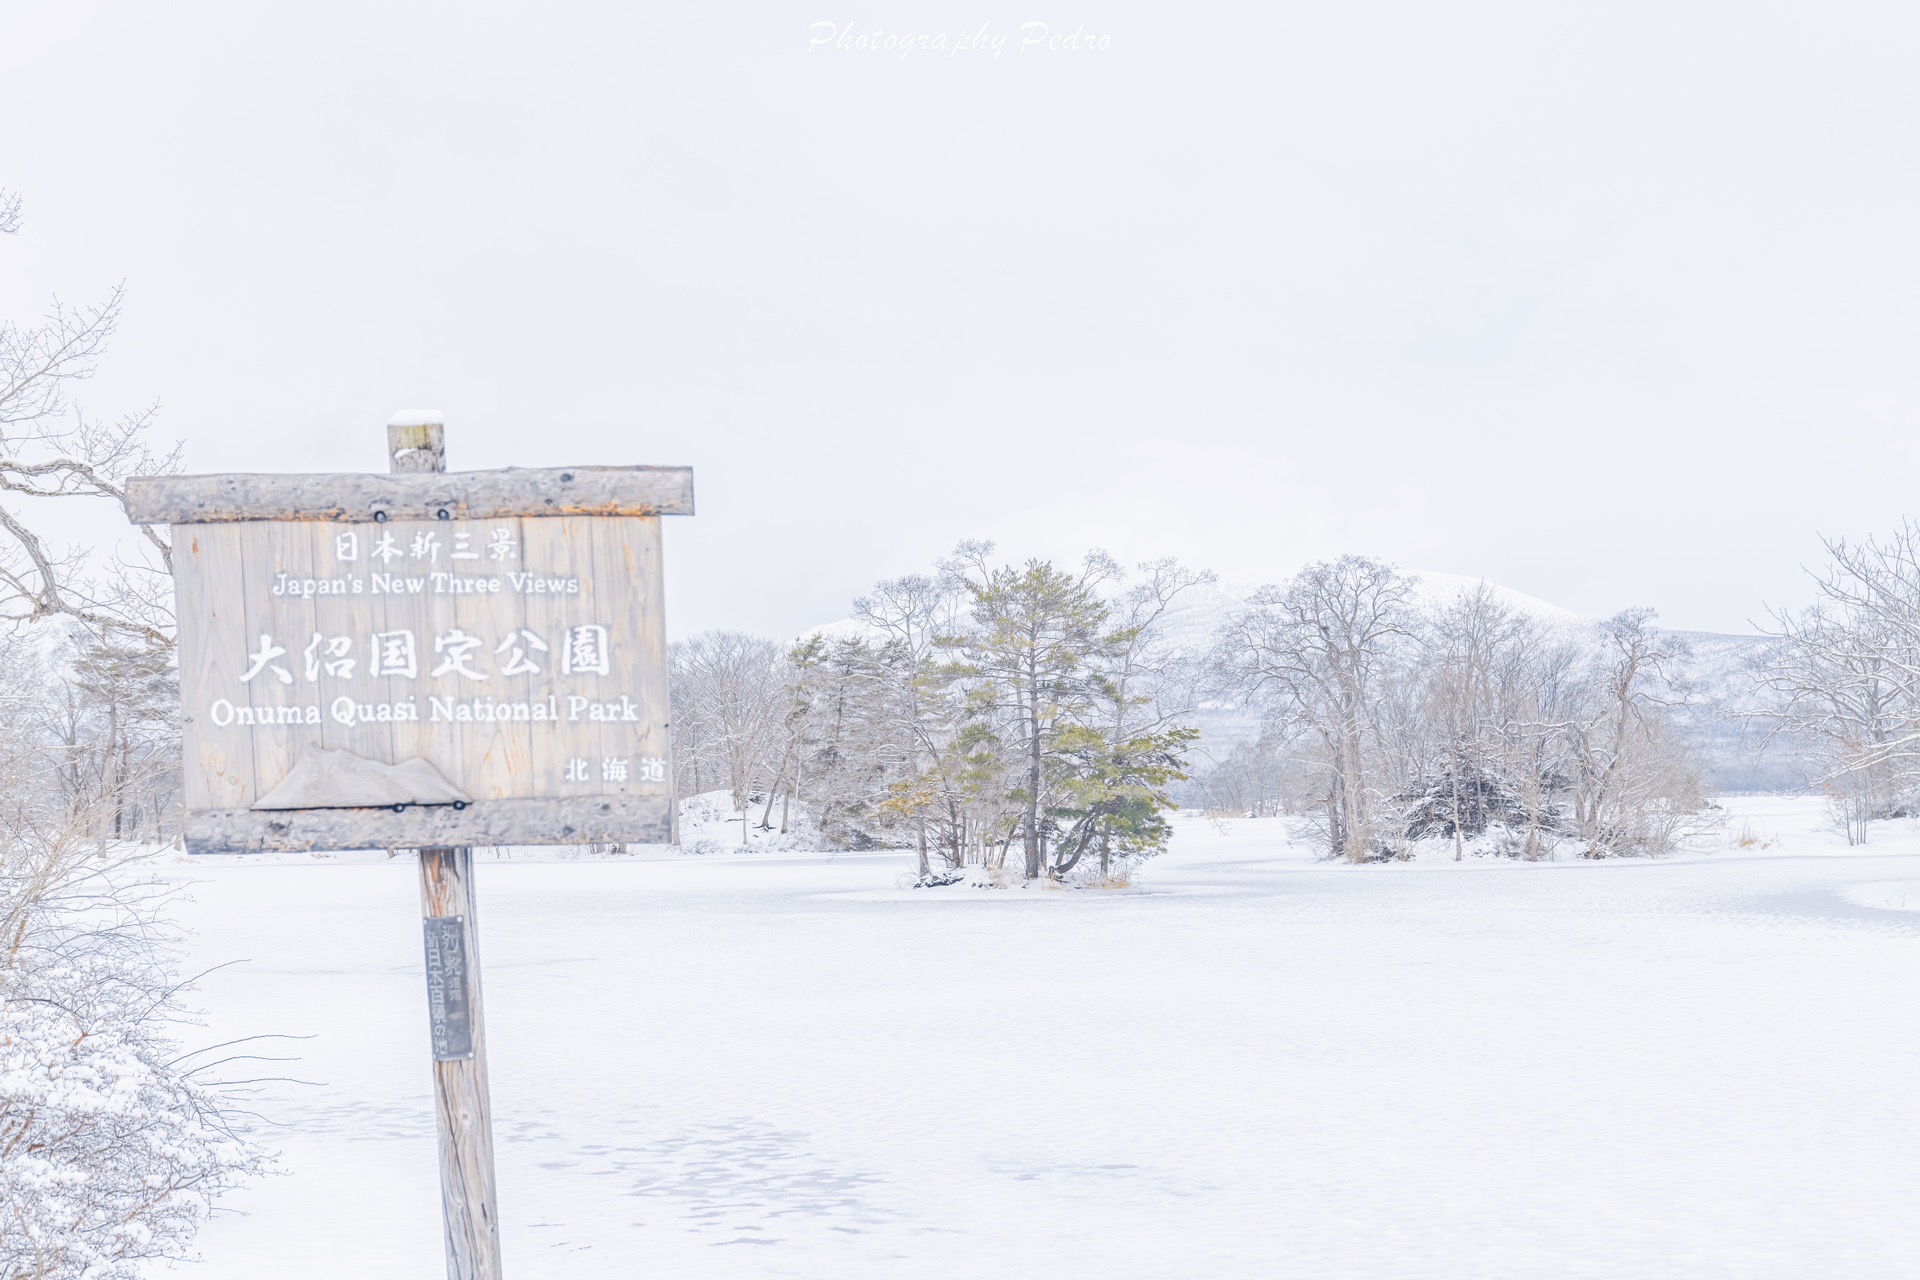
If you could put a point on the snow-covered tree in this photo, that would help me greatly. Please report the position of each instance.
(50, 448)
(1844, 674)
(1631, 781)
(964, 711)
(908, 618)
(1457, 718)
(1032, 661)
(1122, 764)
(113, 1148)
(847, 749)
(1319, 653)
(113, 1144)
(728, 696)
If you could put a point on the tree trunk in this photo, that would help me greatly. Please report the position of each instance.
(766, 814)
(1454, 787)
(1033, 785)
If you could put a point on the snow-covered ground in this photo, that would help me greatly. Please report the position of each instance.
(1253, 1064)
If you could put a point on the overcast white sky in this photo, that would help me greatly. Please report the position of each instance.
(1611, 303)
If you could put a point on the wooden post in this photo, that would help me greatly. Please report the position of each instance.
(471, 1223)
(417, 442)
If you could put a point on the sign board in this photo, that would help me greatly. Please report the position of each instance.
(417, 668)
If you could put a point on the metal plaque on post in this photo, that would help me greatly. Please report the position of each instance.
(449, 989)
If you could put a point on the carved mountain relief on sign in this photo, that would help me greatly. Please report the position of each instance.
(340, 779)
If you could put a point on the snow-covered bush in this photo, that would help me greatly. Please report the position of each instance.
(710, 824)
(110, 1154)
(112, 1150)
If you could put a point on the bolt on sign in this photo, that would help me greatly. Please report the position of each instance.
(429, 659)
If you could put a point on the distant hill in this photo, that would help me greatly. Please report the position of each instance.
(1736, 753)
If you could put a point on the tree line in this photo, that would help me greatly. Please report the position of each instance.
(1394, 717)
(988, 707)
(972, 712)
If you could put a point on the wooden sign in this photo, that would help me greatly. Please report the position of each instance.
(425, 660)
(430, 660)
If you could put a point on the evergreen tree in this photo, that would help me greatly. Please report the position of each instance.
(1033, 663)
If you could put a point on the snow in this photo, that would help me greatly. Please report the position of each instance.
(1431, 591)
(1252, 1064)
(709, 824)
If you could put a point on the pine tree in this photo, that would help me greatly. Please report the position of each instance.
(1032, 662)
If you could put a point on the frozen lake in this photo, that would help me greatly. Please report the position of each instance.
(1257, 1064)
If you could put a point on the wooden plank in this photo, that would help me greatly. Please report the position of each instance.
(500, 753)
(638, 819)
(289, 621)
(218, 772)
(455, 495)
(646, 566)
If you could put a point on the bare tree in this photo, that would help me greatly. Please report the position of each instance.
(728, 698)
(909, 617)
(1631, 780)
(1845, 673)
(1544, 689)
(49, 448)
(1259, 779)
(1472, 644)
(1460, 718)
(1316, 651)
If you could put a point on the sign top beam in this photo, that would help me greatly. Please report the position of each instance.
(453, 495)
